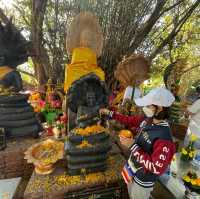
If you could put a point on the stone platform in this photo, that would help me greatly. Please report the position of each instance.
(59, 184)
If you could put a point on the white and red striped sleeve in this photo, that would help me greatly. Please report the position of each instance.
(158, 161)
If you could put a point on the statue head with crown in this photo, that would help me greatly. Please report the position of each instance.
(86, 96)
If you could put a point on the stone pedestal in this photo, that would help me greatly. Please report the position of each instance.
(12, 163)
(87, 153)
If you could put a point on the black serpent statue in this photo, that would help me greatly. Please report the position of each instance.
(88, 143)
(16, 115)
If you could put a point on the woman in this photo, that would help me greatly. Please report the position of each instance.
(153, 148)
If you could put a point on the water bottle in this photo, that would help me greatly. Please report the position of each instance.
(166, 176)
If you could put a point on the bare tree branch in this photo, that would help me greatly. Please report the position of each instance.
(175, 30)
(171, 7)
(193, 67)
(141, 34)
(23, 15)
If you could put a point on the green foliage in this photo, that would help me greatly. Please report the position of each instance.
(122, 23)
(185, 46)
(28, 79)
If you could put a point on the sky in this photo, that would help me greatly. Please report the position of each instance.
(6, 3)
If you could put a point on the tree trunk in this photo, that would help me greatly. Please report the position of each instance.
(40, 58)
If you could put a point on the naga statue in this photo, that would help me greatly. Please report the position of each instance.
(16, 115)
(131, 73)
(88, 141)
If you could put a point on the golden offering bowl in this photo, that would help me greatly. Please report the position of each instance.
(44, 155)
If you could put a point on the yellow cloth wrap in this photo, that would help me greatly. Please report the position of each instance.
(4, 70)
(84, 61)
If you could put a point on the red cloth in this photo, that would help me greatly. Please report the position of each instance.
(158, 161)
(129, 121)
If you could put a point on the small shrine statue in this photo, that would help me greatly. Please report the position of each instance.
(49, 86)
(59, 85)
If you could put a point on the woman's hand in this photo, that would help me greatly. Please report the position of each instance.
(104, 111)
(128, 142)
